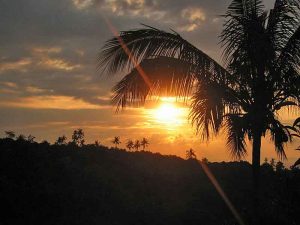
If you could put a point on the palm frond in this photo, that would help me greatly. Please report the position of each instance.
(152, 43)
(290, 54)
(209, 104)
(280, 135)
(168, 76)
(283, 21)
(297, 123)
(240, 26)
(236, 126)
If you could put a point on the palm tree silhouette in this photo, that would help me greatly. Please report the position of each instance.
(61, 140)
(116, 141)
(129, 144)
(137, 145)
(190, 154)
(260, 75)
(296, 129)
(144, 143)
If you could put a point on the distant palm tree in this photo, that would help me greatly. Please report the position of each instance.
(78, 137)
(190, 154)
(61, 140)
(129, 144)
(10, 134)
(137, 145)
(116, 141)
(260, 75)
(144, 143)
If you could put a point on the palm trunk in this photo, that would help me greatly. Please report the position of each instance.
(256, 178)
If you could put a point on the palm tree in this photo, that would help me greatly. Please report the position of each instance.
(190, 154)
(116, 141)
(78, 137)
(129, 144)
(61, 140)
(144, 143)
(137, 145)
(259, 75)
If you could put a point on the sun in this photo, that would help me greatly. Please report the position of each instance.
(169, 113)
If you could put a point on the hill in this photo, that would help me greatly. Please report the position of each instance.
(67, 184)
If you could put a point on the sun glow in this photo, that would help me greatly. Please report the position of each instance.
(169, 113)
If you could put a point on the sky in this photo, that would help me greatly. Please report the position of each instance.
(49, 85)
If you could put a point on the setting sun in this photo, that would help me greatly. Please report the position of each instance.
(169, 113)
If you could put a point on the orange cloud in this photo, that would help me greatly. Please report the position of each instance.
(20, 65)
(51, 102)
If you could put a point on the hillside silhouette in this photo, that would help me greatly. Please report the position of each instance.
(67, 184)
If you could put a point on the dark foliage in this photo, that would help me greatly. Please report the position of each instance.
(67, 184)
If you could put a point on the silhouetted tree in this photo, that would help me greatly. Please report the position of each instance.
(261, 55)
(30, 138)
(129, 144)
(97, 143)
(21, 137)
(62, 140)
(204, 160)
(45, 142)
(10, 134)
(144, 143)
(116, 141)
(266, 167)
(190, 154)
(78, 137)
(137, 145)
(272, 163)
(279, 166)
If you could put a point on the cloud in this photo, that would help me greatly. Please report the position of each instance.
(49, 102)
(20, 65)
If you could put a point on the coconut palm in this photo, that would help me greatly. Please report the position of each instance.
(137, 145)
(190, 154)
(116, 141)
(144, 143)
(78, 137)
(129, 144)
(61, 140)
(259, 75)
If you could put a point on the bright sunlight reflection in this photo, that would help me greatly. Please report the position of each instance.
(168, 113)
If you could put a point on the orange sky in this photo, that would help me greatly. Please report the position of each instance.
(164, 124)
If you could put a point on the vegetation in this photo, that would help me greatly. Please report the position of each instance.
(78, 137)
(69, 184)
(260, 76)
(137, 145)
(129, 145)
(116, 141)
(61, 140)
(190, 154)
(144, 143)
